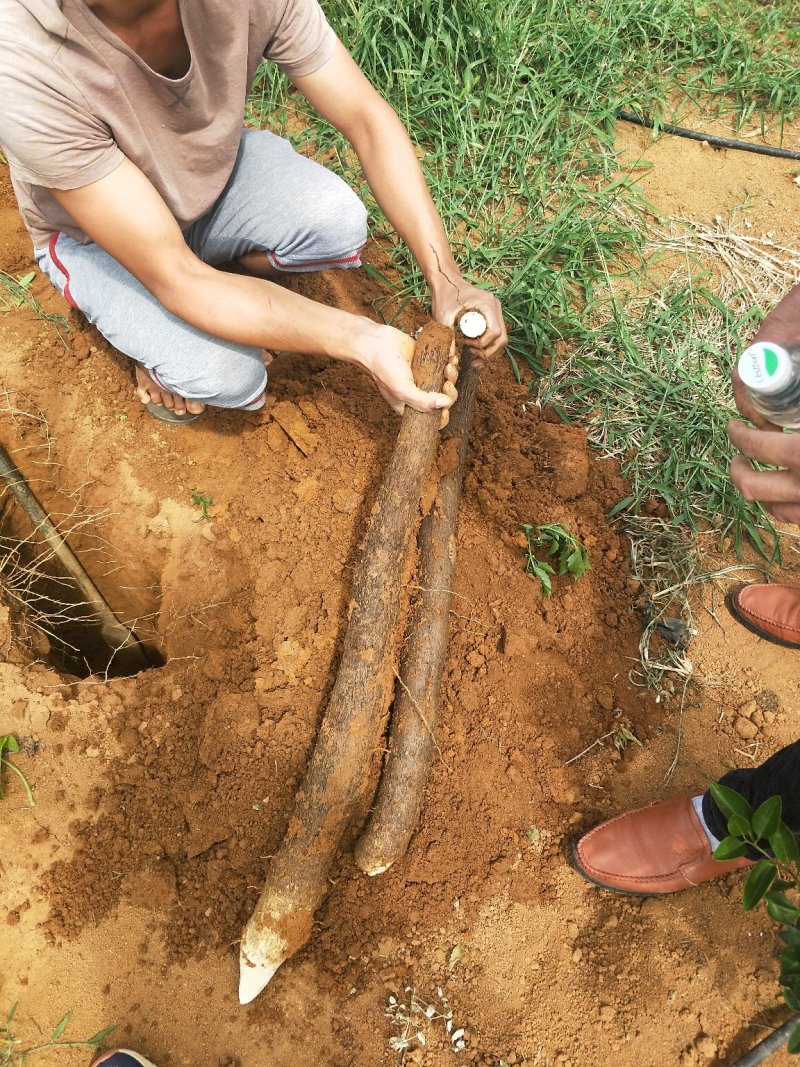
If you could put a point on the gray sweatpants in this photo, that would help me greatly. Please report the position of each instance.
(301, 215)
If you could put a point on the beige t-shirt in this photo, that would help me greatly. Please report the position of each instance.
(75, 100)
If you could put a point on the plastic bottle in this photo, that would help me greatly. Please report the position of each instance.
(771, 374)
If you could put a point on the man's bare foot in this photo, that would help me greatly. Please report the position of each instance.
(150, 393)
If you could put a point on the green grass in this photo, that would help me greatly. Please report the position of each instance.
(653, 388)
(514, 105)
(16, 293)
(13, 1054)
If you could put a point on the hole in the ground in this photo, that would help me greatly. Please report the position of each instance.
(52, 617)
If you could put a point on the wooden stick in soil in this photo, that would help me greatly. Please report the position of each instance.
(416, 707)
(297, 880)
(123, 645)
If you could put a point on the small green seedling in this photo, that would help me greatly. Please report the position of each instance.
(11, 1055)
(202, 501)
(9, 743)
(16, 290)
(558, 544)
(24, 281)
(17, 293)
(775, 878)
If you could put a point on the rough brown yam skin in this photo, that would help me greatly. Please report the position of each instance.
(416, 708)
(364, 686)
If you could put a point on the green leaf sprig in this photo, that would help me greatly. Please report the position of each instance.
(774, 878)
(12, 1054)
(9, 743)
(556, 543)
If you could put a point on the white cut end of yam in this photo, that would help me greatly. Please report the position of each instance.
(378, 870)
(253, 977)
(472, 324)
(261, 954)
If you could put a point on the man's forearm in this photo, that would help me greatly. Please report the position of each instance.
(396, 179)
(256, 312)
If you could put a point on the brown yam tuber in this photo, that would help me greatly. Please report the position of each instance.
(297, 879)
(415, 714)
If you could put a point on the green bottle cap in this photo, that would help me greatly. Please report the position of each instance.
(766, 368)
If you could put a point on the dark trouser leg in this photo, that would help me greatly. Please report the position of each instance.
(779, 776)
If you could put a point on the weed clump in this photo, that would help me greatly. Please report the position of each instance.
(568, 554)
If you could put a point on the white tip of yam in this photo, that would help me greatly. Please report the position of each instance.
(378, 870)
(253, 977)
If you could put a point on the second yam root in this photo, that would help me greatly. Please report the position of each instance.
(297, 879)
(415, 714)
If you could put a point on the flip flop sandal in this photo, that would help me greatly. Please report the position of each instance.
(158, 411)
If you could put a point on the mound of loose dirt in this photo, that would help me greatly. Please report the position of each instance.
(161, 796)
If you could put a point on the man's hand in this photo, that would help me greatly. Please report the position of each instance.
(782, 327)
(455, 296)
(387, 357)
(778, 491)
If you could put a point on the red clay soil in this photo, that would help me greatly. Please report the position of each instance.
(160, 797)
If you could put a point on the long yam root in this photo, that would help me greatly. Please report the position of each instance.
(416, 707)
(297, 879)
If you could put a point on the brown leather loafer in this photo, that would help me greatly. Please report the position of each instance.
(651, 851)
(772, 611)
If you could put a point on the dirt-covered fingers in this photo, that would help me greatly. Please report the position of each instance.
(397, 396)
(459, 296)
(495, 336)
(452, 369)
(451, 393)
(449, 388)
(390, 367)
(422, 400)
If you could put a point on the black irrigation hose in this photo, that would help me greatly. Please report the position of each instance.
(764, 1049)
(719, 142)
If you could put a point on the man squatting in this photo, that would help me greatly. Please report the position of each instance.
(121, 121)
